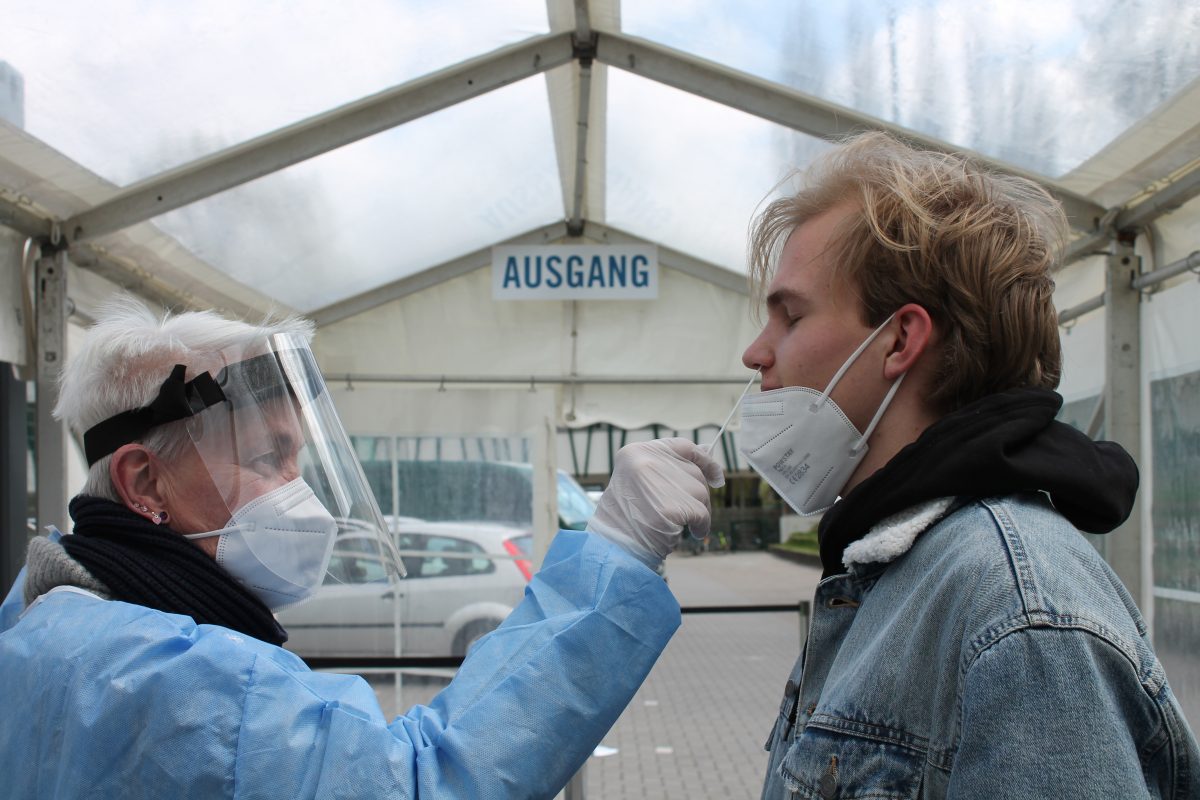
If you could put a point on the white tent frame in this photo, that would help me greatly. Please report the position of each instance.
(577, 98)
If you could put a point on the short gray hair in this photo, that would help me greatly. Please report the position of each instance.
(129, 352)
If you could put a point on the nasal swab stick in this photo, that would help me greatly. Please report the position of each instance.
(736, 406)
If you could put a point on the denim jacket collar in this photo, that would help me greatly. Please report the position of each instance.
(893, 536)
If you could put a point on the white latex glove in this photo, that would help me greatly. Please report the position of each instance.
(656, 489)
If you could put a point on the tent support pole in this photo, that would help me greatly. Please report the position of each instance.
(51, 437)
(1127, 550)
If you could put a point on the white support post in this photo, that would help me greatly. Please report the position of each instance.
(545, 473)
(576, 788)
(1127, 550)
(51, 438)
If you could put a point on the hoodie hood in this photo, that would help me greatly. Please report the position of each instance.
(999, 445)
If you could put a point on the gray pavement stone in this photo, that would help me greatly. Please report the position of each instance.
(696, 727)
(713, 695)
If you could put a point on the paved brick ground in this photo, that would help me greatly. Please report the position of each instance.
(696, 727)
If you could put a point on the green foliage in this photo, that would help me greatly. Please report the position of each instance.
(802, 542)
(767, 496)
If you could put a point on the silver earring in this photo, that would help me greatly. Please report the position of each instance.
(141, 508)
(159, 517)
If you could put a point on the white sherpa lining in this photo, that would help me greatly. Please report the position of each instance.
(893, 536)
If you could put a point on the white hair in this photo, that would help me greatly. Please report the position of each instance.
(127, 355)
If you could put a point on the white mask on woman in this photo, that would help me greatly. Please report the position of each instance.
(278, 545)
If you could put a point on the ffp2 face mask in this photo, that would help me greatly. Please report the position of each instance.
(278, 545)
(802, 443)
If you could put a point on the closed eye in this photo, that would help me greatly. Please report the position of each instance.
(269, 464)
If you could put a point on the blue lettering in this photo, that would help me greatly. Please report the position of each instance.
(574, 271)
(596, 273)
(616, 271)
(534, 281)
(511, 275)
(641, 277)
(555, 279)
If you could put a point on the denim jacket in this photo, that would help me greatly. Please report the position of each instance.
(999, 657)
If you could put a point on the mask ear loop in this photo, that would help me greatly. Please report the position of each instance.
(887, 400)
(824, 398)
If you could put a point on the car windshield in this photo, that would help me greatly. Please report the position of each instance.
(575, 508)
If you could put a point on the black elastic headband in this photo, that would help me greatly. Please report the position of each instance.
(176, 400)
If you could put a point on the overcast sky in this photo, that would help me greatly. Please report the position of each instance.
(131, 87)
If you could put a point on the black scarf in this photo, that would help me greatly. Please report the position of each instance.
(1002, 444)
(153, 566)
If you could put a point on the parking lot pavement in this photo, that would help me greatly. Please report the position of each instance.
(697, 726)
(752, 577)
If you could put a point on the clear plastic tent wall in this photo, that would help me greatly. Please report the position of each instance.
(356, 164)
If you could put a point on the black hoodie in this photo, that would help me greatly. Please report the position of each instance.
(1004, 443)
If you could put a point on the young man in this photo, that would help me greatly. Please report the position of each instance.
(966, 640)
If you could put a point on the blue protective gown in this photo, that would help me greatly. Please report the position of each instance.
(107, 699)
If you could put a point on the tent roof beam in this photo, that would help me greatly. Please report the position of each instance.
(373, 298)
(24, 221)
(320, 134)
(790, 108)
(1162, 202)
(585, 53)
(1134, 218)
(580, 179)
(676, 260)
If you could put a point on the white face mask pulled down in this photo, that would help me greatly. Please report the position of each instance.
(278, 545)
(802, 444)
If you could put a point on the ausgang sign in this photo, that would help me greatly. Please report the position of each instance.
(575, 272)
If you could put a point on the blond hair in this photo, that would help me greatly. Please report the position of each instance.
(974, 248)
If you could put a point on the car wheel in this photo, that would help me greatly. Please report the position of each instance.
(472, 633)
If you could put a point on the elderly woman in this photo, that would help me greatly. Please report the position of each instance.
(140, 654)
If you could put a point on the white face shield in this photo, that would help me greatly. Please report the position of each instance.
(262, 423)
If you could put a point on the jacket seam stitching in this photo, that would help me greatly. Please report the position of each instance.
(1018, 559)
(1091, 630)
(890, 737)
(237, 758)
(1178, 762)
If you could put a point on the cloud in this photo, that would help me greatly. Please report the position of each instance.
(132, 87)
(107, 83)
(387, 206)
(689, 172)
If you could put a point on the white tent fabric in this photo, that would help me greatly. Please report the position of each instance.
(1160, 143)
(695, 329)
